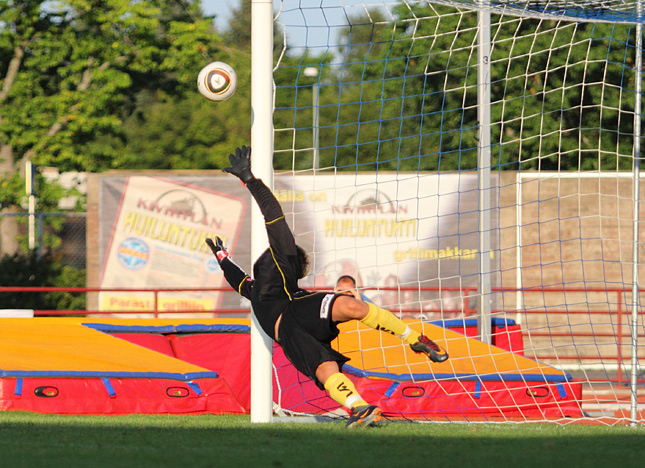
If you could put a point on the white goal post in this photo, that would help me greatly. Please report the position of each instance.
(262, 166)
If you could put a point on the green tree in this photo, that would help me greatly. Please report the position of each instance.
(377, 111)
(409, 92)
(563, 94)
(185, 131)
(238, 30)
(30, 270)
(72, 71)
(293, 100)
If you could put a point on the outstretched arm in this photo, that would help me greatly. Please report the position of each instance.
(241, 168)
(234, 275)
(281, 238)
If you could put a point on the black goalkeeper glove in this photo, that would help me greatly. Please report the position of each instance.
(241, 164)
(217, 248)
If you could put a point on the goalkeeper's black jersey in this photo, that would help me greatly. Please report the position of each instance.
(276, 271)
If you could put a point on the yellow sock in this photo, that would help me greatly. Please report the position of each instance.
(342, 391)
(384, 320)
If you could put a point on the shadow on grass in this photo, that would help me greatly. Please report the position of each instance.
(30, 440)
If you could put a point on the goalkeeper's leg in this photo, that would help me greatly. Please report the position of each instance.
(342, 390)
(347, 308)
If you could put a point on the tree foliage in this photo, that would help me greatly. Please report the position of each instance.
(74, 73)
(85, 83)
(403, 94)
(31, 270)
(93, 85)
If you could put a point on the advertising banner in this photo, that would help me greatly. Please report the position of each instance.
(410, 240)
(156, 240)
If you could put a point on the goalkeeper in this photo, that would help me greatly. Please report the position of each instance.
(304, 323)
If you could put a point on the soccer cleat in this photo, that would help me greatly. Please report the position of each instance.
(431, 349)
(365, 416)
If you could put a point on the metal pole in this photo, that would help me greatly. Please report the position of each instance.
(636, 196)
(316, 94)
(312, 72)
(262, 166)
(29, 186)
(483, 172)
(519, 302)
(32, 222)
(41, 225)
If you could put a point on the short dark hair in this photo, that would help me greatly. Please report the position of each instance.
(304, 261)
(346, 277)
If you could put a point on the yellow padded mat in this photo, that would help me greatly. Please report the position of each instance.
(66, 347)
(383, 355)
(75, 347)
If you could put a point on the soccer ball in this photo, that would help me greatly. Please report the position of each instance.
(217, 81)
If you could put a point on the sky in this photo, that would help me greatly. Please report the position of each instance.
(221, 8)
(298, 36)
(324, 18)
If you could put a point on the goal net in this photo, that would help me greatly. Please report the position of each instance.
(472, 166)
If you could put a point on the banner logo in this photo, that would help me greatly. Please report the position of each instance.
(370, 201)
(133, 253)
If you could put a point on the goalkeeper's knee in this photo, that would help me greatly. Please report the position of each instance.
(384, 320)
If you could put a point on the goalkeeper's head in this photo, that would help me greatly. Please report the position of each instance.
(346, 286)
(304, 262)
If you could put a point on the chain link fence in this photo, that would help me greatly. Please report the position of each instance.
(62, 234)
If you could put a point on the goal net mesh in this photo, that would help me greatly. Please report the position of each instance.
(378, 167)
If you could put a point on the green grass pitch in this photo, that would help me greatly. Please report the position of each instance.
(35, 440)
